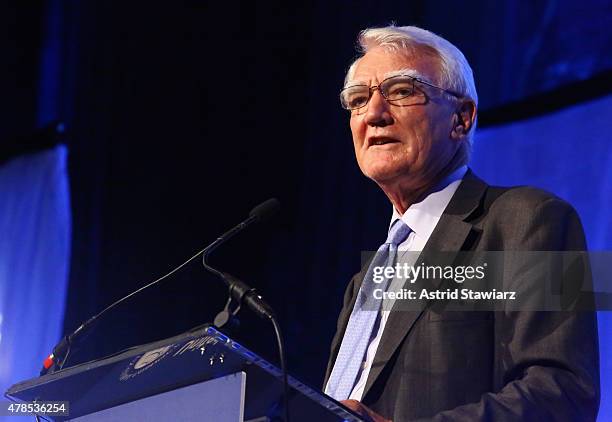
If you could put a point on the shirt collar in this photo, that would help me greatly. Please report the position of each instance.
(423, 216)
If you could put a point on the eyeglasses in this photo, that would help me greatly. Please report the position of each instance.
(397, 90)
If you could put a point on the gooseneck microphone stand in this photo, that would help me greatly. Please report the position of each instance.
(240, 293)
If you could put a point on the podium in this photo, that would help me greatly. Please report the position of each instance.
(200, 375)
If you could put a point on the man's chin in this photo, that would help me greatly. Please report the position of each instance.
(385, 176)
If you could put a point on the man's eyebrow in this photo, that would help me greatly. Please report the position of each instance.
(405, 72)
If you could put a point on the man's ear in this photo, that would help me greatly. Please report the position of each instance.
(463, 119)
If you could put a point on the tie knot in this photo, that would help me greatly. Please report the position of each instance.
(398, 233)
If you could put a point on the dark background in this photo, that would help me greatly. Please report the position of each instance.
(181, 116)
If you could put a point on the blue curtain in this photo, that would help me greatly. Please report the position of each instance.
(34, 260)
(570, 154)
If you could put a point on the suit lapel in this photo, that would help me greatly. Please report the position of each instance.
(449, 235)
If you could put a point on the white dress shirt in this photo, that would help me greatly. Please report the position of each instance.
(422, 219)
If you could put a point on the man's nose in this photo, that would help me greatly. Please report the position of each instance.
(377, 112)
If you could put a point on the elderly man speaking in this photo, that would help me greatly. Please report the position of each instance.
(413, 108)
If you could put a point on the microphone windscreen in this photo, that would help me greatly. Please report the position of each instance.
(265, 210)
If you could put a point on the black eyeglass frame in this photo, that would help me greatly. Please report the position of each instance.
(373, 88)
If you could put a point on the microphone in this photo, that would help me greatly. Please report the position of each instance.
(261, 212)
(61, 351)
(265, 210)
(239, 290)
(58, 357)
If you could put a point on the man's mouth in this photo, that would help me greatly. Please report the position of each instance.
(375, 141)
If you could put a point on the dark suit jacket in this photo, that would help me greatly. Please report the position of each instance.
(487, 366)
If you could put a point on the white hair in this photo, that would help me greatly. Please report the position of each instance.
(455, 73)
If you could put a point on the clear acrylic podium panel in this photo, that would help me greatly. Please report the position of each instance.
(220, 400)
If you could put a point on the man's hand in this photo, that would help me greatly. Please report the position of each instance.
(362, 410)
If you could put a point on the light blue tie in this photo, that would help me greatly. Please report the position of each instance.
(363, 318)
